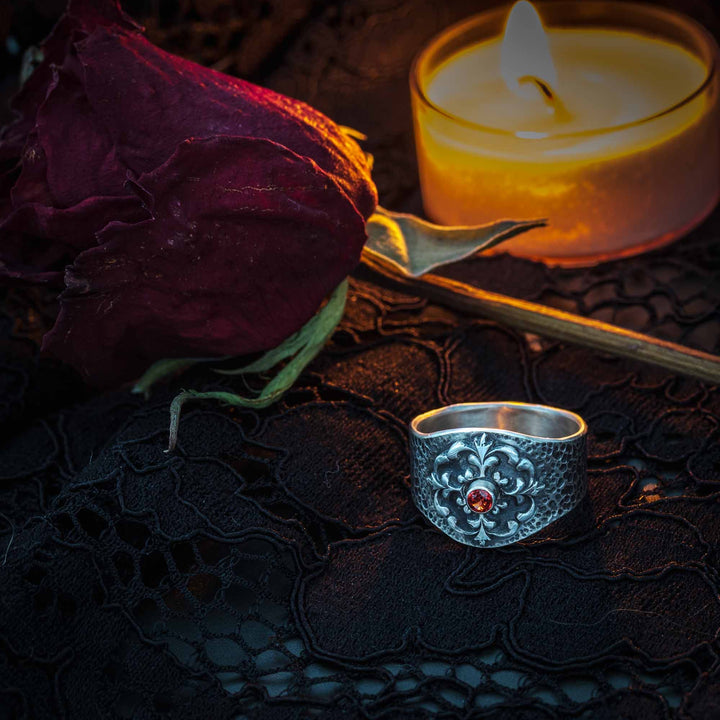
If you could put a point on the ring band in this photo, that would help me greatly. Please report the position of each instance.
(490, 474)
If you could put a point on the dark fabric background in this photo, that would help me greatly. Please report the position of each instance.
(274, 566)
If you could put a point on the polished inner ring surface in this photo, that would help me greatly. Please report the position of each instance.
(537, 421)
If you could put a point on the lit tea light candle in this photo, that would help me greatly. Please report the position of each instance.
(606, 122)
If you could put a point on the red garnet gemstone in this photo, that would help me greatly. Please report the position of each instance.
(479, 500)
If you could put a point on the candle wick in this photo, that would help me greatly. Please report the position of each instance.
(550, 98)
(541, 85)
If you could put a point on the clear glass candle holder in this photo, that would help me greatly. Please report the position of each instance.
(605, 193)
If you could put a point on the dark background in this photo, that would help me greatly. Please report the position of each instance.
(274, 566)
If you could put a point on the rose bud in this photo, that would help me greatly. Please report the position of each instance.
(186, 213)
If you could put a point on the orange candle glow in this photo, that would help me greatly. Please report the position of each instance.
(606, 122)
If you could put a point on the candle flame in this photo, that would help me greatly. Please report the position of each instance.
(525, 53)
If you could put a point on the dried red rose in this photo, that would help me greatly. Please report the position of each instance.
(187, 213)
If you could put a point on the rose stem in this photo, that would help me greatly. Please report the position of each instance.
(543, 320)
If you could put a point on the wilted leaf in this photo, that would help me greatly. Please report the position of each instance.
(416, 246)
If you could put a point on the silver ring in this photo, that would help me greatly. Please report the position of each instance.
(490, 474)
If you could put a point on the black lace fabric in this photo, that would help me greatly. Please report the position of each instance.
(274, 565)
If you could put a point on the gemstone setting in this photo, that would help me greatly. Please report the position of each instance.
(480, 500)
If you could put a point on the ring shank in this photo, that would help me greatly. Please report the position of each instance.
(528, 462)
(532, 420)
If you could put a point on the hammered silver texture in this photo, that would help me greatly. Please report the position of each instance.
(532, 483)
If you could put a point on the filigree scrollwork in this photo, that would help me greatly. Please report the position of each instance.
(498, 470)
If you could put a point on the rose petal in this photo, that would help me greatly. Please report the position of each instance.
(81, 17)
(150, 101)
(31, 186)
(39, 241)
(80, 157)
(57, 162)
(246, 240)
